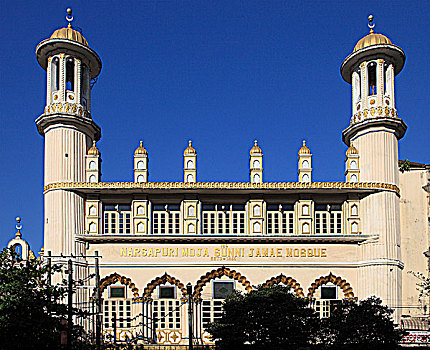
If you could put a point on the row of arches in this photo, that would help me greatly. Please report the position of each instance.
(233, 274)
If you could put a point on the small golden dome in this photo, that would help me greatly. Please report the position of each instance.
(70, 34)
(190, 149)
(141, 150)
(93, 151)
(304, 149)
(351, 150)
(255, 149)
(371, 39)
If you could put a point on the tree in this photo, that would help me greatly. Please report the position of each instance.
(367, 324)
(266, 318)
(30, 308)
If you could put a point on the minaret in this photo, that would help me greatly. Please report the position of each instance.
(352, 165)
(304, 161)
(190, 164)
(256, 164)
(141, 164)
(375, 130)
(93, 164)
(68, 129)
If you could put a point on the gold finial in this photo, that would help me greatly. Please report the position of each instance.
(189, 143)
(69, 17)
(141, 144)
(370, 24)
(304, 143)
(255, 142)
(18, 227)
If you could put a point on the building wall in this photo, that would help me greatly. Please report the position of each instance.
(414, 210)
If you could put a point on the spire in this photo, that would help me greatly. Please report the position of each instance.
(18, 227)
(371, 25)
(69, 17)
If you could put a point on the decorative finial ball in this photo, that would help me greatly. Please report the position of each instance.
(69, 11)
(370, 18)
(18, 219)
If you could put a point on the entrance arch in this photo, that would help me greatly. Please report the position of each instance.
(115, 277)
(289, 281)
(338, 281)
(162, 280)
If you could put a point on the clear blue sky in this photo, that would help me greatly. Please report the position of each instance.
(221, 73)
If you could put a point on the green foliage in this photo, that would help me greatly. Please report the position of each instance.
(275, 318)
(423, 284)
(266, 318)
(367, 324)
(404, 165)
(30, 311)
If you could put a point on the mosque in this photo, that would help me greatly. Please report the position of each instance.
(327, 240)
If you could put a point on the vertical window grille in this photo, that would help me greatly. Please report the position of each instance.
(223, 219)
(328, 219)
(166, 219)
(70, 74)
(371, 71)
(280, 219)
(117, 219)
(122, 309)
(55, 74)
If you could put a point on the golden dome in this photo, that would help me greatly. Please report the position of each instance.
(190, 149)
(371, 39)
(93, 151)
(70, 34)
(141, 150)
(304, 149)
(255, 149)
(351, 150)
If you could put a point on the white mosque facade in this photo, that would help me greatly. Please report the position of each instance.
(327, 240)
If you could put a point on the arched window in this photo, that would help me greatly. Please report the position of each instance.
(55, 74)
(257, 227)
(305, 178)
(93, 211)
(190, 164)
(191, 228)
(93, 178)
(190, 178)
(306, 228)
(85, 85)
(389, 80)
(18, 249)
(140, 164)
(256, 210)
(354, 227)
(371, 78)
(256, 164)
(305, 164)
(92, 227)
(92, 165)
(191, 211)
(354, 178)
(305, 210)
(70, 74)
(354, 210)
(140, 227)
(256, 178)
(140, 210)
(356, 86)
(353, 164)
(140, 178)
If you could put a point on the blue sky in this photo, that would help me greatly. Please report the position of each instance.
(221, 73)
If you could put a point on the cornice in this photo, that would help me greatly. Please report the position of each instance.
(229, 186)
(213, 239)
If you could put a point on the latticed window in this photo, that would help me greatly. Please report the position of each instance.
(328, 219)
(280, 219)
(117, 219)
(223, 219)
(327, 299)
(166, 219)
(212, 309)
(167, 309)
(117, 307)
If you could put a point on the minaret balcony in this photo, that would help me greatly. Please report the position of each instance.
(67, 108)
(374, 112)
